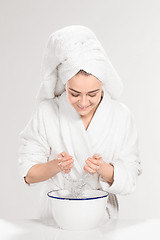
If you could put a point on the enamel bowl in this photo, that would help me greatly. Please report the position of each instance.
(78, 213)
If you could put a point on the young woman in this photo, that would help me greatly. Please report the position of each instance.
(79, 126)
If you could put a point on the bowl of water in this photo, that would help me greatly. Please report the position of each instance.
(82, 212)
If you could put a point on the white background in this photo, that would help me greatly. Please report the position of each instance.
(130, 33)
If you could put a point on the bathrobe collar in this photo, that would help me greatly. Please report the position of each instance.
(79, 142)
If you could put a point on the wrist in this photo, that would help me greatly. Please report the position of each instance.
(55, 166)
(107, 172)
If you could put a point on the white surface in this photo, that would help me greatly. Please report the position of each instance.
(111, 229)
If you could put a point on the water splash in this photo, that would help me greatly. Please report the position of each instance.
(75, 187)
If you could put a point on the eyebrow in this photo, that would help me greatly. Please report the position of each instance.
(88, 92)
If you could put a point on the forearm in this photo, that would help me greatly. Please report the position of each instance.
(42, 171)
(107, 173)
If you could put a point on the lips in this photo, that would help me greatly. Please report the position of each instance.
(83, 107)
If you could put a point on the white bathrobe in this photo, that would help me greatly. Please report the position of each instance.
(55, 126)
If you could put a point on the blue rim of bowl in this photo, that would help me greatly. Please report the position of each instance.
(77, 199)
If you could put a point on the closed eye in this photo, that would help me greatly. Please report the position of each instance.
(78, 95)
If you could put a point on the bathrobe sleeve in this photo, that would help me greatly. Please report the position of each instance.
(127, 166)
(34, 147)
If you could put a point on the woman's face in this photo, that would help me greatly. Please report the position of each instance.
(84, 93)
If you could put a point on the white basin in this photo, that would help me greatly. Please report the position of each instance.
(78, 213)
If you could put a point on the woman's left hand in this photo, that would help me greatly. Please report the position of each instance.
(94, 164)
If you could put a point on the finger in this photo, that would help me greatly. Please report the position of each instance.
(60, 158)
(85, 167)
(97, 155)
(62, 168)
(63, 154)
(89, 170)
(67, 167)
(97, 162)
(94, 161)
(92, 165)
(66, 163)
(67, 158)
(67, 171)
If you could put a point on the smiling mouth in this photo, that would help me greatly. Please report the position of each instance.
(83, 107)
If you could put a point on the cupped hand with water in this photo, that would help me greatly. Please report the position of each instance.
(65, 161)
(97, 164)
(93, 164)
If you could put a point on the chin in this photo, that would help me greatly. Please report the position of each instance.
(85, 112)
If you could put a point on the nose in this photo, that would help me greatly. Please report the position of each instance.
(84, 102)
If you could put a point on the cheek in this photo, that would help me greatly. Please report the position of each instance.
(96, 100)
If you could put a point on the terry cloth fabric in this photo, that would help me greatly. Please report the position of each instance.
(67, 51)
(56, 127)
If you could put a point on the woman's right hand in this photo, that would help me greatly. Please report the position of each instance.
(65, 162)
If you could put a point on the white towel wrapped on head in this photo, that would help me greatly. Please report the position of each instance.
(67, 51)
